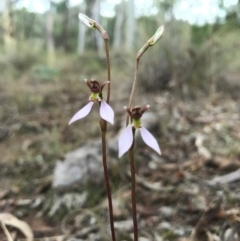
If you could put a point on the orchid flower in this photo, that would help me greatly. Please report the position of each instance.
(106, 111)
(127, 136)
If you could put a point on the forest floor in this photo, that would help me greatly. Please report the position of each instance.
(194, 185)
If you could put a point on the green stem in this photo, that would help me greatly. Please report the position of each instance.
(104, 159)
(134, 209)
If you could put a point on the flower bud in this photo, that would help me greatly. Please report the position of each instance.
(86, 20)
(156, 36)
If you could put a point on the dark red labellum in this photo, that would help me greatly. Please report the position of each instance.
(95, 86)
(136, 112)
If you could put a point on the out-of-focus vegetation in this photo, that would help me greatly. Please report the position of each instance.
(203, 57)
(190, 78)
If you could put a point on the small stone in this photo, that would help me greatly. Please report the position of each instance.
(82, 166)
(166, 212)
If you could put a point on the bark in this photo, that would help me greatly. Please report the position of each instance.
(49, 34)
(117, 39)
(238, 11)
(97, 36)
(81, 32)
(89, 7)
(8, 39)
(65, 26)
(130, 28)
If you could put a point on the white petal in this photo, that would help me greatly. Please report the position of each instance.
(106, 112)
(82, 113)
(125, 141)
(149, 140)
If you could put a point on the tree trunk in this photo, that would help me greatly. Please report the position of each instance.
(9, 42)
(89, 6)
(49, 35)
(81, 32)
(118, 26)
(97, 36)
(238, 11)
(65, 26)
(130, 28)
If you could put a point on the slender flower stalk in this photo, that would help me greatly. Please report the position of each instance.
(134, 208)
(126, 143)
(133, 86)
(149, 43)
(126, 140)
(105, 112)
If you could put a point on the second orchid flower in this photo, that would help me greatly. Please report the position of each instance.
(126, 138)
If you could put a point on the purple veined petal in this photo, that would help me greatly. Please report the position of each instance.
(82, 113)
(149, 139)
(125, 141)
(106, 112)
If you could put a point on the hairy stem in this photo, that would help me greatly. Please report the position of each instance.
(104, 159)
(134, 209)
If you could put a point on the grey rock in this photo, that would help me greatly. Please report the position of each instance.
(4, 132)
(150, 120)
(166, 212)
(165, 226)
(81, 166)
(125, 225)
(113, 143)
(69, 200)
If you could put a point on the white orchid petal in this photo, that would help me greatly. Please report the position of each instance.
(106, 112)
(82, 113)
(149, 139)
(125, 141)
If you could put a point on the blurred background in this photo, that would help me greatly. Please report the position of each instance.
(190, 78)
